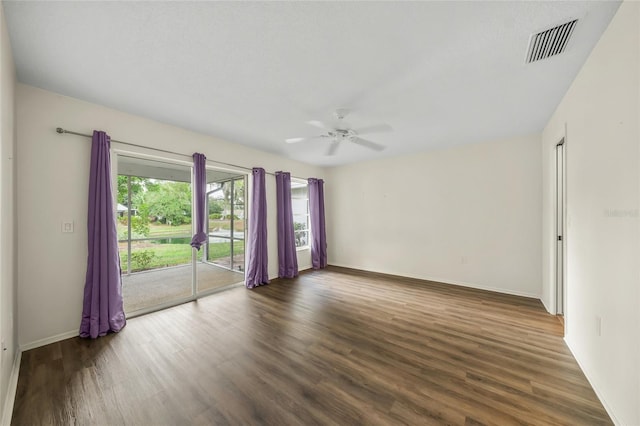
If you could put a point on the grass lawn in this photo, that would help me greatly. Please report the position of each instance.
(163, 255)
(159, 230)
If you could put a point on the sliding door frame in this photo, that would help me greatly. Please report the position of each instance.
(117, 153)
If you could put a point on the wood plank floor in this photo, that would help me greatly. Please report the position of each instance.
(332, 347)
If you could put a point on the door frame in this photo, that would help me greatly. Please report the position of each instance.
(168, 159)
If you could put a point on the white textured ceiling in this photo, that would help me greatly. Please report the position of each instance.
(440, 73)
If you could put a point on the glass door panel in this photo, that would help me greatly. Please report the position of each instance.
(220, 228)
(239, 221)
(154, 232)
(224, 251)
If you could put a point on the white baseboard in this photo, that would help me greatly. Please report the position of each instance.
(300, 269)
(493, 289)
(606, 406)
(488, 288)
(7, 411)
(49, 340)
(547, 308)
(452, 282)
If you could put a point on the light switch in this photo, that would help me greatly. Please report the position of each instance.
(67, 227)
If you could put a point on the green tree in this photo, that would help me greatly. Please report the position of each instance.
(215, 206)
(140, 222)
(138, 186)
(238, 195)
(238, 188)
(170, 202)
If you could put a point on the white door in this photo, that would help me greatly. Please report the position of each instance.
(560, 240)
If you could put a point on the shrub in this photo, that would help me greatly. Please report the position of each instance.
(143, 258)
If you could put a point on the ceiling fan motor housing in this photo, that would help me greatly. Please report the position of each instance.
(343, 134)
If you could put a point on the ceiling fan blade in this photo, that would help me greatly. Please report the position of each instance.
(333, 147)
(296, 140)
(318, 124)
(368, 144)
(378, 128)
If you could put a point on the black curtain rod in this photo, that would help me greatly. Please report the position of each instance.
(62, 131)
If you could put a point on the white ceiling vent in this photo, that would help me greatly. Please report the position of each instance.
(550, 42)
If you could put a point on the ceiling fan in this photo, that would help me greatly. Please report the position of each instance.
(342, 133)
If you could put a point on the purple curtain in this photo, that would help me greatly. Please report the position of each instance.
(102, 309)
(257, 270)
(200, 189)
(287, 258)
(318, 232)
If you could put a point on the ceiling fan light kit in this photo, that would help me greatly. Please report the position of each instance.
(341, 113)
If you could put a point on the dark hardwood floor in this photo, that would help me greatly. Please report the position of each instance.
(334, 347)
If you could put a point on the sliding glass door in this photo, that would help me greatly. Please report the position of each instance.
(154, 214)
(154, 218)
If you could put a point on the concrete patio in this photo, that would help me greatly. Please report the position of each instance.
(156, 287)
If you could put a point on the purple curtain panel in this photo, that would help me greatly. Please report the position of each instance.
(287, 257)
(200, 191)
(318, 232)
(102, 310)
(257, 270)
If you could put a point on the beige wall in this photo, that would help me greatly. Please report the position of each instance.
(468, 215)
(601, 115)
(52, 187)
(8, 326)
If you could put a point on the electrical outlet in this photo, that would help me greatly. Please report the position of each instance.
(67, 227)
(598, 326)
(464, 260)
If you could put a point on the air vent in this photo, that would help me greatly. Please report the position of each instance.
(550, 42)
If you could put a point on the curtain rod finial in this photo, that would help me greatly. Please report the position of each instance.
(60, 130)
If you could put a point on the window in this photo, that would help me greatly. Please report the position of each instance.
(300, 208)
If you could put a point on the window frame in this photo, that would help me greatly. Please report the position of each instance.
(296, 184)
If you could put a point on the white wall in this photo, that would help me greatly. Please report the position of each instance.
(8, 328)
(53, 175)
(601, 115)
(468, 215)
